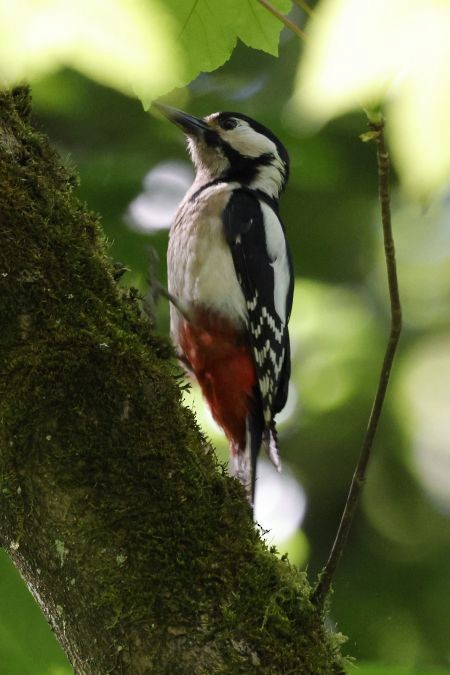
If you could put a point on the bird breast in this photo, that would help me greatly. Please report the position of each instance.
(200, 267)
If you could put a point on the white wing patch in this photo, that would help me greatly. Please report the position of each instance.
(267, 324)
(276, 248)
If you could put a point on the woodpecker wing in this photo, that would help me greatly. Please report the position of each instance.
(263, 266)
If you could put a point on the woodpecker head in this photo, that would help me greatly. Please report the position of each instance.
(233, 146)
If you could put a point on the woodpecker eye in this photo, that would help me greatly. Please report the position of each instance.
(228, 123)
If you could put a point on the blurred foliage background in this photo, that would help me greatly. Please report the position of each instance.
(392, 589)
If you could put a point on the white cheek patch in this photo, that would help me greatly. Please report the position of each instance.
(249, 142)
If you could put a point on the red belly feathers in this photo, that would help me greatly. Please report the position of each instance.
(221, 359)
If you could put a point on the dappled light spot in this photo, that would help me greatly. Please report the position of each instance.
(399, 638)
(333, 337)
(362, 52)
(423, 258)
(127, 44)
(423, 407)
(290, 410)
(280, 503)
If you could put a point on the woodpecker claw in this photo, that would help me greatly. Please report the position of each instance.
(162, 290)
(157, 289)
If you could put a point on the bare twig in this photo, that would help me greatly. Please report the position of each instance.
(287, 22)
(326, 576)
(376, 124)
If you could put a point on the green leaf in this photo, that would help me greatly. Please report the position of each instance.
(208, 30)
(363, 51)
(258, 28)
(203, 33)
(126, 44)
(141, 48)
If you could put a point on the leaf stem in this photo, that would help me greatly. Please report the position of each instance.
(325, 578)
(287, 22)
(305, 7)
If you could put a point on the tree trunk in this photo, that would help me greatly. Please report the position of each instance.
(138, 548)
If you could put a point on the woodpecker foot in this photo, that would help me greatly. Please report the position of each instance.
(156, 289)
(159, 289)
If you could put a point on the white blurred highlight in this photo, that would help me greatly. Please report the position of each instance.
(425, 407)
(280, 503)
(164, 187)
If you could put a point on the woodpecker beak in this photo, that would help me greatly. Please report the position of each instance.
(192, 126)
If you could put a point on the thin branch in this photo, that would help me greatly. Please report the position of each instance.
(305, 7)
(287, 22)
(326, 576)
(376, 124)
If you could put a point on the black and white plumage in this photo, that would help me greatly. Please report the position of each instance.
(264, 270)
(230, 271)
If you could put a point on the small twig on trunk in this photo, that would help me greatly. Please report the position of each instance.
(322, 588)
(287, 22)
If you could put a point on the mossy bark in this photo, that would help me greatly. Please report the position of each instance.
(137, 546)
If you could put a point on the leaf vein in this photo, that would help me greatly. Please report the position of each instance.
(259, 22)
(188, 18)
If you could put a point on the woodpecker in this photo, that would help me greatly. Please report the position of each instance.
(231, 279)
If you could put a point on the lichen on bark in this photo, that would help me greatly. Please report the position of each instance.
(137, 545)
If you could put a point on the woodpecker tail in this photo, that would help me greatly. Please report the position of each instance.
(245, 459)
(270, 442)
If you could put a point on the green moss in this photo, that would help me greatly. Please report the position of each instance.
(139, 536)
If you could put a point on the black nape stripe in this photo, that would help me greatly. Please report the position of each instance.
(261, 129)
(245, 169)
(242, 169)
(259, 194)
